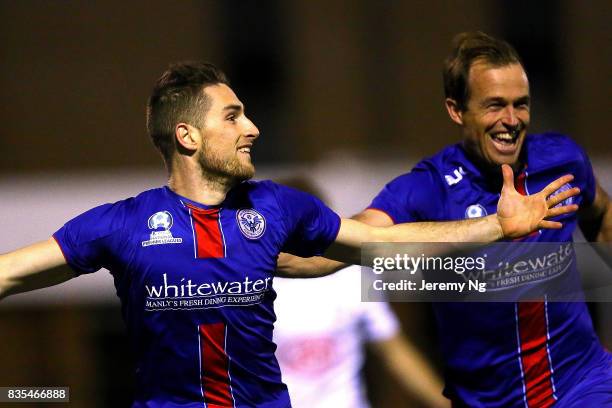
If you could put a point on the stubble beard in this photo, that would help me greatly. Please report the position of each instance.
(216, 170)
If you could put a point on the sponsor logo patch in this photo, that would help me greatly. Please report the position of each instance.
(174, 293)
(160, 223)
(252, 224)
(457, 176)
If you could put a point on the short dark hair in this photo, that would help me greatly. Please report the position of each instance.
(178, 97)
(468, 48)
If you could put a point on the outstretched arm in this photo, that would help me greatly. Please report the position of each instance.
(292, 266)
(33, 267)
(516, 216)
(412, 371)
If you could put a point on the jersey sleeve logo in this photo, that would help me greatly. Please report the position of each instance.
(160, 223)
(475, 211)
(251, 223)
(456, 177)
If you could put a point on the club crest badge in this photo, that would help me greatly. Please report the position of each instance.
(475, 211)
(251, 223)
(567, 201)
(160, 223)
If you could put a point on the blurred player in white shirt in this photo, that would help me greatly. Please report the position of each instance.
(321, 331)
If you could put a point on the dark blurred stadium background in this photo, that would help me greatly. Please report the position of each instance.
(346, 92)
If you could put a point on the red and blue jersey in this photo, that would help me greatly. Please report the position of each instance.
(526, 354)
(195, 284)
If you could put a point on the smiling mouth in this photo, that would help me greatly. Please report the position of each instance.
(506, 138)
(246, 149)
(506, 143)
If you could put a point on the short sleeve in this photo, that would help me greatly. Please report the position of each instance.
(379, 321)
(414, 196)
(89, 240)
(311, 225)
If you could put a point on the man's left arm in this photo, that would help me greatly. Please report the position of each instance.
(516, 216)
(596, 220)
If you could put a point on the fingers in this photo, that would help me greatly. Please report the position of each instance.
(549, 225)
(508, 177)
(556, 199)
(553, 212)
(557, 184)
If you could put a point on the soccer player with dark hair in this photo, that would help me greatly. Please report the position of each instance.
(524, 354)
(193, 261)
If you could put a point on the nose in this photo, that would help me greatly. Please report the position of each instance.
(510, 117)
(250, 129)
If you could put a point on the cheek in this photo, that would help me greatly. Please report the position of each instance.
(224, 141)
(480, 122)
(481, 133)
(488, 121)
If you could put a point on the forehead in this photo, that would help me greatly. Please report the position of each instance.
(507, 81)
(220, 96)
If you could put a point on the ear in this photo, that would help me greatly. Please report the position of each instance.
(187, 136)
(454, 112)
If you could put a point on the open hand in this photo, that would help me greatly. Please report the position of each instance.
(520, 215)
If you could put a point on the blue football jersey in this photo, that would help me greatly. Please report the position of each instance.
(526, 354)
(195, 284)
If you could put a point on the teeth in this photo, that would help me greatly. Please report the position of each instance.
(505, 137)
(245, 150)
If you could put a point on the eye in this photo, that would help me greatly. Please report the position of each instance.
(522, 105)
(231, 118)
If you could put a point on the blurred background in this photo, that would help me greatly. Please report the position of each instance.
(348, 93)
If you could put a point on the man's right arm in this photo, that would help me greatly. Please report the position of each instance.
(36, 266)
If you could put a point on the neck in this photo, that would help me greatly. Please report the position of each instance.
(490, 170)
(190, 182)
